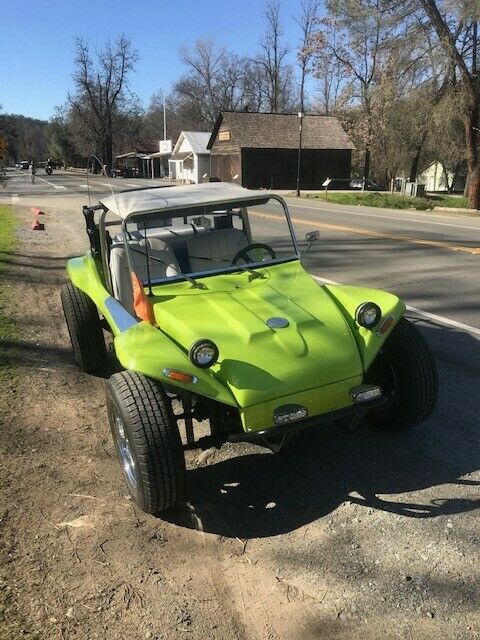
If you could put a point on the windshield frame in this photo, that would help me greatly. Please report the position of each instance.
(296, 255)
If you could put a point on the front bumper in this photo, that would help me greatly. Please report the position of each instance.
(355, 411)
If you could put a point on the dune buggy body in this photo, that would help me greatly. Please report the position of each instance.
(219, 263)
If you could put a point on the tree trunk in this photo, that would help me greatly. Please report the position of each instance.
(366, 166)
(473, 165)
(414, 167)
(108, 155)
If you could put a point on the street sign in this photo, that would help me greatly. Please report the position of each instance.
(165, 146)
(327, 182)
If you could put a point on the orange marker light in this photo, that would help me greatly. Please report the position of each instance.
(385, 326)
(180, 376)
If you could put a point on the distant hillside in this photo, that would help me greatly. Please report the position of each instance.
(26, 137)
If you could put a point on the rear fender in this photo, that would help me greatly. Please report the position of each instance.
(348, 300)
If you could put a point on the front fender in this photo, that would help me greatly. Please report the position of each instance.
(146, 349)
(349, 298)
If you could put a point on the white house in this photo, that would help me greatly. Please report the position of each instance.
(190, 159)
(436, 179)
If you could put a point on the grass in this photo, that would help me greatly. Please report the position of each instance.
(392, 201)
(8, 242)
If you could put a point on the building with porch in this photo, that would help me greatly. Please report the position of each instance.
(190, 159)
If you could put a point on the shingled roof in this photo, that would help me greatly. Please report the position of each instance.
(280, 131)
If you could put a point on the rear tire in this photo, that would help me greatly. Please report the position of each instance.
(147, 440)
(85, 329)
(406, 371)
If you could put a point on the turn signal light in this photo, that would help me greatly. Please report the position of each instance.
(180, 376)
(385, 326)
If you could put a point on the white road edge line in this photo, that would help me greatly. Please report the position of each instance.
(423, 314)
(421, 219)
(55, 186)
(132, 184)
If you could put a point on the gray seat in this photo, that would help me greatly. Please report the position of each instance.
(215, 248)
(121, 277)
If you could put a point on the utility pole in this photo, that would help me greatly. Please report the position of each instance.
(164, 118)
(300, 115)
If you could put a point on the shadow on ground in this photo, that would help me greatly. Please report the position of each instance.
(260, 494)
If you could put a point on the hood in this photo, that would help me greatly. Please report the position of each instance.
(258, 362)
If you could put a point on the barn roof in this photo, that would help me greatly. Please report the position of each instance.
(280, 131)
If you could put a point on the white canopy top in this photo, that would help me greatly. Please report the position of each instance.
(165, 198)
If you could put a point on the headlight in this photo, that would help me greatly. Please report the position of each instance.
(368, 315)
(203, 353)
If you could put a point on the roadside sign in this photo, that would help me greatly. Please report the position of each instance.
(165, 146)
(327, 182)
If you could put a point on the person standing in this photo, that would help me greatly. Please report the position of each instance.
(31, 171)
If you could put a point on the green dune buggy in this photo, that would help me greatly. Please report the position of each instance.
(204, 291)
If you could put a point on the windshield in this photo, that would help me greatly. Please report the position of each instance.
(207, 240)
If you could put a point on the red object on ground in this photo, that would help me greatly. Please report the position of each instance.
(38, 226)
(37, 211)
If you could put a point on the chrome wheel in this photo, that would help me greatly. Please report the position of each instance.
(125, 453)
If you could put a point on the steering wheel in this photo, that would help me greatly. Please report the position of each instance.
(243, 253)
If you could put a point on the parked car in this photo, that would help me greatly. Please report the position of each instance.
(204, 292)
(24, 164)
(357, 183)
(119, 172)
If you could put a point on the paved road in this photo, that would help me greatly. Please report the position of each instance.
(367, 535)
(431, 260)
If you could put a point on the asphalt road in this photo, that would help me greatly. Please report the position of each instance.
(388, 525)
(431, 260)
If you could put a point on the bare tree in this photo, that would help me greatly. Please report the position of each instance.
(102, 100)
(307, 20)
(459, 39)
(360, 36)
(272, 60)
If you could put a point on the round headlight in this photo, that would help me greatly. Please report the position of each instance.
(368, 315)
(203, 353)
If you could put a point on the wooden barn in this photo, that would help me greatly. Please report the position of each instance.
(260, 150)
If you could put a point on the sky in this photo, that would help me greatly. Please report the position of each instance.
(36, 40)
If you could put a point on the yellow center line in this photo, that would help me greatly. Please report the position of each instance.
(378, 234)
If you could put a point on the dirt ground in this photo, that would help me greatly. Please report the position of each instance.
(347, 537)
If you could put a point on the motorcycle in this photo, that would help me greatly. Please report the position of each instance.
(48, 170)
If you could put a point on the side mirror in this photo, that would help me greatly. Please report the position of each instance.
(312, 236)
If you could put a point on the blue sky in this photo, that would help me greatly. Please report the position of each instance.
(36, 40)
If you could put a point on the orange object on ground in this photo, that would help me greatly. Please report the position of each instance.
(141, 304)
(37, 211)
(38, 226)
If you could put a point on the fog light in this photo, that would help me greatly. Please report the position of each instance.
(365, 393)
(368, 315)
(289, 413)
(203, 353)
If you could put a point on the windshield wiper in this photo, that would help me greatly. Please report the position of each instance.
(193, 282)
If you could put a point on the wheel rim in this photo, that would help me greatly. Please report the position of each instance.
(125, 453)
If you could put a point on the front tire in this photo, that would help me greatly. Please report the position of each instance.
(85, 329)
(406, 371)
(147, 441)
